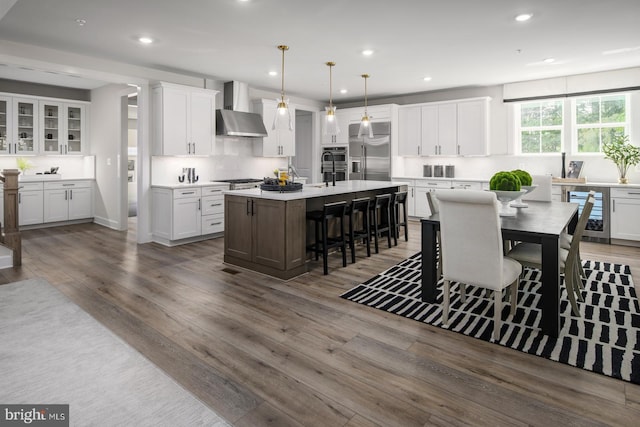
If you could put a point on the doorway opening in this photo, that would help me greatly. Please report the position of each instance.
(132, 156)
(303, 160)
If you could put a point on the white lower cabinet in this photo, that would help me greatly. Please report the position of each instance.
(625, 211)
(424, 186)
(65, 201)
(187, 213)
(30, 203)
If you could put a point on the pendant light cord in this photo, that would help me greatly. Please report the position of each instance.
(282, 48)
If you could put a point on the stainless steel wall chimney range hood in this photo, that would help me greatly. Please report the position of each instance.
(234, 119)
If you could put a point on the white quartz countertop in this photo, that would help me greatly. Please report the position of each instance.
(318, 190)
(194, 185)
(588, 183)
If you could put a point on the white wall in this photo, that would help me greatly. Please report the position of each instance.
(106, 145)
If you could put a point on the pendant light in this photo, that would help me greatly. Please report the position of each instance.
(365, 124)
(282, 120)
(330, 121)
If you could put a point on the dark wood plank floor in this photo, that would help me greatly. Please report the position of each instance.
(260, 351)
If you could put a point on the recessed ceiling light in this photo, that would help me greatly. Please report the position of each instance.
(273, 73)
(145, 40)
(549, 60)
(524, 17)
(427, 79)
(343, 91)
(81, 22)
(367, 52)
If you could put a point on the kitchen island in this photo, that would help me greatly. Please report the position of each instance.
(266, 231)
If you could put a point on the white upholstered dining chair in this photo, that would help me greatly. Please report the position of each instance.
(542, 192)
(471, 247)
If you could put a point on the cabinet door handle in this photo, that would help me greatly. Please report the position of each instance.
(194, 147)
(613, 206)
(189, 192)
(215, 223)
(216, 204)
(458, 149)
(248, 211)
(70, 194)
(252, 210)
(436, 149)
(19, 198)
(199, 204)
(632, 193)
(65, 195)
(412, 192)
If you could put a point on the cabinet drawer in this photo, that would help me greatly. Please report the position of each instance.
(65, 185)
(186, 192)
(213, 205)
(212, 191)
(627, 193)
(467, 185)
(212, 224)
(433, 183)
(30, 186)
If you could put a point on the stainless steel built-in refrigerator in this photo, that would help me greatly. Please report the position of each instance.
(370, 158)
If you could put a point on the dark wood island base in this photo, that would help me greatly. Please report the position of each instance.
(267, 232)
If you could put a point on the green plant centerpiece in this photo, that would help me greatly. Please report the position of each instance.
(506, 185)
(623, 154)
(523, 176)
(505, 181)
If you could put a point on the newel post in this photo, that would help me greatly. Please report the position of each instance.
(11, 236)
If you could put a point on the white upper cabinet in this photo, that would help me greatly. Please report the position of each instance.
(278, 143)
(25, 126)
(445, 128)
(5, 123)
(473, 127)
(184, 120)
(62, 128)
(409, 131)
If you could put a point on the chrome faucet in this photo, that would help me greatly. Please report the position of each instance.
(333, 167)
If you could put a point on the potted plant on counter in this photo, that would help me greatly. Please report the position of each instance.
(23, 164)
(623, 154)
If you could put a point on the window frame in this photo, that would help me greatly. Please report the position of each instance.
(575, 126)
(569, 131)
(519, 128)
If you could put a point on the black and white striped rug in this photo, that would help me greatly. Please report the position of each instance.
(605, 339)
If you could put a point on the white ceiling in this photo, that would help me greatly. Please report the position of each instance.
(457, 43)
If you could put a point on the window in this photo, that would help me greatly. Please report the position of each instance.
(597, 119)
(540, 127)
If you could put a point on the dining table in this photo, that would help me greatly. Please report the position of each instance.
(542, 223)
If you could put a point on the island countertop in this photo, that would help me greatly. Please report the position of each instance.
(310, 191)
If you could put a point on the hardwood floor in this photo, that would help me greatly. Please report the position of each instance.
(260, 351)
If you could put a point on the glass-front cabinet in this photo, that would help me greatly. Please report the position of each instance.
(25, 126)
(75, 129)
(62, 128)
(5, 123)
(51, 127)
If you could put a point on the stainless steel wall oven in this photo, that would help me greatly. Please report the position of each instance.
(329, 155)
(598, 224)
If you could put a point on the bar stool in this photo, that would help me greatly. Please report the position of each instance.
(399, 198)
(323, 242)
(381, 218)
(359, 230)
